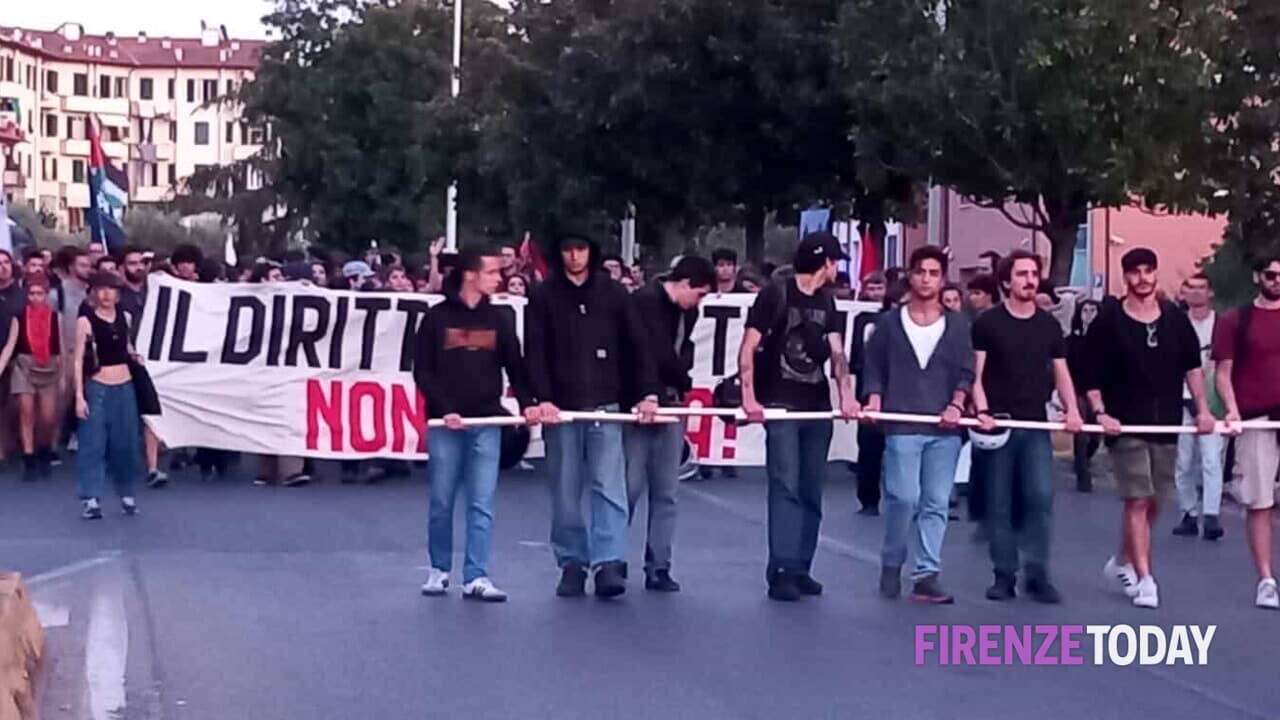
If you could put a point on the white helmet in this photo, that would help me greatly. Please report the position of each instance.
(990, 440)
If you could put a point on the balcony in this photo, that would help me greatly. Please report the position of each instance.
(10, 130)
(77, 195)
(102, 106)
(150, 109)
(50, 101)
(14, 179)
(165, 152)
(149, 194)
(77, 148)
(11, 89)
(116, 150)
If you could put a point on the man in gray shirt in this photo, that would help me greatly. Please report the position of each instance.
(919, 360)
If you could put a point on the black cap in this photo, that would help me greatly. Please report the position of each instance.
(814, 251)
(1137, 257)
(103, 278)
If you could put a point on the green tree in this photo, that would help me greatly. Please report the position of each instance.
(1059, 104)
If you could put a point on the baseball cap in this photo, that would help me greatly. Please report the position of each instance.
(815, 249)
(357, 268)
(297, 271)
(1138, 257)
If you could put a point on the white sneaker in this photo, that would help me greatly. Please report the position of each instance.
(1124, 575)
(483, 589)
(437, 583)
(1268, 595)
(1148, 595)
(129, 506)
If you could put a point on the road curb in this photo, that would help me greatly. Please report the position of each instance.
(21, 649)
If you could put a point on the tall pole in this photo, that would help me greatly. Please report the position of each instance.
(451, 200)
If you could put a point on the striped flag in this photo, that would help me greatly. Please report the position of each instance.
(108, 194)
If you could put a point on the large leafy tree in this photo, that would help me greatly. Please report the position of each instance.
(692, 111)
(1059, 104)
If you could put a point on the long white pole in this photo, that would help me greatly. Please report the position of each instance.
(451, 199)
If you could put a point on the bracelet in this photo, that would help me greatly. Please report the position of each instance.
(956, 406)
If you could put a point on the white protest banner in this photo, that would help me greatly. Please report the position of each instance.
(716, 338)
(291, 369)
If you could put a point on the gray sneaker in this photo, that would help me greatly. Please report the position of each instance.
(890, 582)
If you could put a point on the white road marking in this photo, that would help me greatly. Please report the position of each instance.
(107, 651)
(71, 569)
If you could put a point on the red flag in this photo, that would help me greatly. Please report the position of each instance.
(870, 260)
(532, 258)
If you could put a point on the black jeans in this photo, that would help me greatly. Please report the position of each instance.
(1085, 446)
(870, 464)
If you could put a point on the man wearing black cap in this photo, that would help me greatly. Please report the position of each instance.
(585, 347)
(796, 329)
(1140, 351)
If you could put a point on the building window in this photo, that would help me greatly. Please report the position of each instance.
(173, 89)
(51, 125)
(80, 84)
(231, 87)
(71, 126)
(231, 132)
(202, 133)
(8, 69)
(154, 174)
(122, 87)
(191, 91)
(255, 135)
(210, 90)
(173, 175)
(146, 88)
(77, 171)
(104, 86)
(31, 77)
(173, 131)
(50, 81)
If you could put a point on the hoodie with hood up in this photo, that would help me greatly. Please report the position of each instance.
(585, 344)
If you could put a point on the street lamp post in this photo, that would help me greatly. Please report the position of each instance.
(451, 200)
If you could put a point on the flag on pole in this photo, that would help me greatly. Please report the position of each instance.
(108, 194)
(870, 259)
(532, 258)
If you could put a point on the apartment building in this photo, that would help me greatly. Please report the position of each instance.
(162, 104)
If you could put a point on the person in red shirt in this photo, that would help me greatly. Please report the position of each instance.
(1246, 346)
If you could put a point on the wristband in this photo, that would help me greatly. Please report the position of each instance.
(956, 406)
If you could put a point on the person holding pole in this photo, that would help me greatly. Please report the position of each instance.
(586, 347)
(464, 345)
(1141, 350)
(796, 328)
(1020, 356)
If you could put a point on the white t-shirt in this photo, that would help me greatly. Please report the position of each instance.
(1204, 331)
(924, 338)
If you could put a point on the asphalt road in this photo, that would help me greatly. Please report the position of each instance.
(223, 600)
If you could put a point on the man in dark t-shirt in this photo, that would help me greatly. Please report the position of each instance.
(1139, 352)
(795, 328)
(1246, 347)
(1020, 356)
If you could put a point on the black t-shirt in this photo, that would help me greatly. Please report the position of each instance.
(1141, 368)
(1018, 375)
(789, 370)
(131, 302)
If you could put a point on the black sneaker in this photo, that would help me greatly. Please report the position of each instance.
(1039, 589)
(660, 581)
(296, 480)
(30, 468)
(890, 582)
(90, 509)
(349, 476)
(573, 581)
(1188, 527)
(808, 586)
(610, 580)
(1003, 588)
(729, 471)
(783, 587)
(157, 479)
(928, 590)
(1212, 527)
(128, 506)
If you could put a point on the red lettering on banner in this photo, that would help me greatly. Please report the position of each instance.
(729, 450)
(405, 413)
(700, 434)
(360, 442)
(326, 408)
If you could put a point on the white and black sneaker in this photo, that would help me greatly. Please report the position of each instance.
(296, 480)
(1268, 596)
(1122, 575)
(1148, 595)
(129, 506)
(437, 583)
(157, 479)
(91, 509)
(484, 590)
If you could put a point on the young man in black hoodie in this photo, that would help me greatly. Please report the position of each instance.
(668, 309)
(464, 344)
(586, 347)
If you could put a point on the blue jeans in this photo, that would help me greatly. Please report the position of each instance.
(1199, 463)
(587, 457)
(919, 471)
(796, 463)
(110, 440)
(1021, 472)
(653, 467)
(462, 458)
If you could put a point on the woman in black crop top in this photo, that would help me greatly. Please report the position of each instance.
(109, 434)
(34, 347)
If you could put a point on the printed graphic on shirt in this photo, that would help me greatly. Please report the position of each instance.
(469, 339)
(804, 330)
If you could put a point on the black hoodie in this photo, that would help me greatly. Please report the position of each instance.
(668, 342)
(460, 355)
(585, 344)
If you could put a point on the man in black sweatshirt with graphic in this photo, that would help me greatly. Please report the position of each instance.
(464, 345)
(668, 309)
(586, 347)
